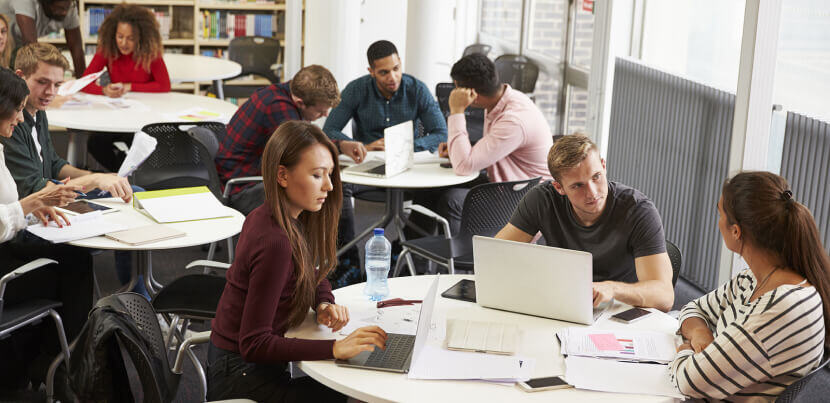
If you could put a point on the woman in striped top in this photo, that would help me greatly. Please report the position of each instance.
(766, 328)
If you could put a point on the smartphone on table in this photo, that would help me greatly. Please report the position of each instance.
(540, 384)
(630, 316)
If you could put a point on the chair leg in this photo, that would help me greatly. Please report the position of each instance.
(64, 354)
(401, 260)
(211, 251)
(199, 371)
(451, 265)
(230, 249)
(170, 332)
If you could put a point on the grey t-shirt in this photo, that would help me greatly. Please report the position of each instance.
(630, 227)
(32, 8)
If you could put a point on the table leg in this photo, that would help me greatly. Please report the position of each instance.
(148, 272)
(73, 148)
(220, 91)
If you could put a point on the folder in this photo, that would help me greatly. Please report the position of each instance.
(146, 234)
(180, 204)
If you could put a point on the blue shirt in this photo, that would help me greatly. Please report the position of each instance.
(362, 101)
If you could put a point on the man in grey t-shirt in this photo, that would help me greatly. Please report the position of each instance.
(31, 19)
(620, 226)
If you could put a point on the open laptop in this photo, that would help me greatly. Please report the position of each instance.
(401, 349)
(399, 154)
(534, 279)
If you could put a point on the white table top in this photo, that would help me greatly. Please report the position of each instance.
(198, 232)
(538, 341)
(144, 108)
(186, 68)
(420, 176)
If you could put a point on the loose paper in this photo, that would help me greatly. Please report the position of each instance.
(73, 86)
(606, 341)
(143, 145)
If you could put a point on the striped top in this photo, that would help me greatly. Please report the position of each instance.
(760, 347)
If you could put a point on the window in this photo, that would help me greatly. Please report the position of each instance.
(502, 19)
(548, 27)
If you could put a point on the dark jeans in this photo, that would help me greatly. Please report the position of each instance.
(230, 377)
(69, 282)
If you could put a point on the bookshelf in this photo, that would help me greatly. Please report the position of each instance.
(200, 27)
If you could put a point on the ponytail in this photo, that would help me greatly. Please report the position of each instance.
(762, 204)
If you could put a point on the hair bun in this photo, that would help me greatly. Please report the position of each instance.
(787, 195)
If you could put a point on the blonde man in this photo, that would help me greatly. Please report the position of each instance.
(620, 226)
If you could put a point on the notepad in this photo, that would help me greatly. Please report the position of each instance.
(181, 204)
(146, 234)
(484, 337)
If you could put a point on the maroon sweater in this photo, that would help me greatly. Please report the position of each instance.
(252, 315)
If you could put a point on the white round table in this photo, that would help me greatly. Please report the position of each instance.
(538, 340)
(420, 176)
(197, 232)
(187, 68)
(130, 113)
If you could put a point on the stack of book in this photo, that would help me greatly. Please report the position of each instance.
(227, 25)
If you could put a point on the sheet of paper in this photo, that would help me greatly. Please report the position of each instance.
(619, 377)
(426, 157)
(438, 363)
(196, 114)
(73, 86)
(82, 226)
(394, 319)
(605, 341)
(188, 207)
(638, 345)
(143, 145)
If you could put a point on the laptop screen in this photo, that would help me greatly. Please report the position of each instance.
(425, 320)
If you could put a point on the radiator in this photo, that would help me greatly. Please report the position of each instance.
(805, 162)
(669, 137)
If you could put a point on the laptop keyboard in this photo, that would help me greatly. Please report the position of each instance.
(398, 348)
(378, 170)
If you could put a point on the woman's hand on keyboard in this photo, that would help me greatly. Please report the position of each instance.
(362, 339)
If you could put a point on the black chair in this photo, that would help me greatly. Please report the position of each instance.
(477, 48)
(158, 382)
(257, 55)
(791, 393)
(474, 117)
(487, 209)
(676, 260)
(518, 71)
(19, 315)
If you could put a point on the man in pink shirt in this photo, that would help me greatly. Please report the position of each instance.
(516, 136)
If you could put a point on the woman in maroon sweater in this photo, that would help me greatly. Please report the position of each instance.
(285, 251)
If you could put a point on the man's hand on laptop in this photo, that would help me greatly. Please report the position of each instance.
(363, 339)
(461, 98)
(603, 292)
(377, 145)
(354, 149)
(332, 316)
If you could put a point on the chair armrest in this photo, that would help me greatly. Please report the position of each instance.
(431, 214)
(196, 338)
(239, 181)
(208, 263)
(34, 264)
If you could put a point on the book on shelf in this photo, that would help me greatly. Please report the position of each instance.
(219, 24)
(95, 17)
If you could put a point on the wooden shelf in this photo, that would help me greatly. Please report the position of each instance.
(145, 2)
(54, 41)
(256, 81)
(165, 42)
(243, 6)
(214, 42)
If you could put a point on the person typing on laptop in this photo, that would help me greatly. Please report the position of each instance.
(618, 225)
(285, 250)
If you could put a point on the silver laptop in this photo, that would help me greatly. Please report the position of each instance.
(534, 279)
(401, 349)
(399, 153)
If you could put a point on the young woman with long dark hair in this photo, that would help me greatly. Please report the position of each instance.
(285, 250)
(767, 327)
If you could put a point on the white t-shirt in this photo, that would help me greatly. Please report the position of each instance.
(37, 143)
(43, 24)
(11, 214)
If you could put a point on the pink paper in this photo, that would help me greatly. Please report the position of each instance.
(606, 342)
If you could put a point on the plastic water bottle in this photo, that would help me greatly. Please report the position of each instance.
(378, 258)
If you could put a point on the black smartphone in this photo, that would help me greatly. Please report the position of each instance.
(631, 315)
(549, 383)
(464, 290)
(104, 79)
(446, 165)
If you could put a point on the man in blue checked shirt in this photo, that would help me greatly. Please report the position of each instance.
(384, 98)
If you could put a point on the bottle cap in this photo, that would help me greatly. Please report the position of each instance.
(378, 231)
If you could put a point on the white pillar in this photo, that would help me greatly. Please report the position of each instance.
(430, 31)
(753, 102)
(331, 32)
(292, 59)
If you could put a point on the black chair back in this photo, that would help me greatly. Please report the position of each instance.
(473, 116)
(518, 71)
(676, 260)
(488, 207)
(791, 393)
(180, 158)
(256, 54)
(477, 48)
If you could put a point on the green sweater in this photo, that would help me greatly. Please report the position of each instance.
(28, 171)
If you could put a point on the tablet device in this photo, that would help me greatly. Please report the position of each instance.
(84, 206)
(464, 290)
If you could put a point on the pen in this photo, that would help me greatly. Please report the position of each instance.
(57, 182)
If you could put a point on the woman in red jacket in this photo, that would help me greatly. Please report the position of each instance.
(129, 46)
(285, 251)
